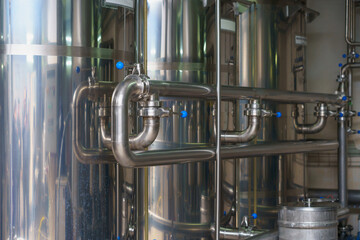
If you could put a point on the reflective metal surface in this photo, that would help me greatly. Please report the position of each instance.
(265, 57)
(176, 32)
(46, 192)
(313, 221)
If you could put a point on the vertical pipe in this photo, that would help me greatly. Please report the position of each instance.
(342, 179)
(218, 123)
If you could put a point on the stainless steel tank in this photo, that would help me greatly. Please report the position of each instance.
(266, 56)
(177, 200)
(47, 47)
(308, 221)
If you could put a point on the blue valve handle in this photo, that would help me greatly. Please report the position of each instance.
(120, 65)
(344, 55)
(254, 215)
(341, 114)
(340, 64)
(278, 114)
(184, 114)
(77, 69)
(358, 114)
(344, 98)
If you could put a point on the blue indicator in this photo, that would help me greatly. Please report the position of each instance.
(77, 69)
(254, 215)
(119, 65)
(184, 114)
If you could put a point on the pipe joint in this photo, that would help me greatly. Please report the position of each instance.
(153, 108)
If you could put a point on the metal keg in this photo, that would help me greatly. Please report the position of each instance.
(309, 220)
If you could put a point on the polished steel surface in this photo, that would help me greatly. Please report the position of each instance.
(265, 57)
(244, 92)
(218, 121)
(301, 221)
(177, 31)
(342, 158)
(46, 192)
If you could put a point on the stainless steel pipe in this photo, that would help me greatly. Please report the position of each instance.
(218, 122)
(105, 136)
(350, 23)
(178, 89)
(89, 155)
(310, 128)
(244, 136)
(147, 136)
(342, 157)
(134, 86)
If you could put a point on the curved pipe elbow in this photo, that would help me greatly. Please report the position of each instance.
(147, 136)
(316, 127)
(244, 136)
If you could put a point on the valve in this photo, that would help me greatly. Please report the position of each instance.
(253, 108)
(120, 65)
(184, 114)
(152, 108)
(341, 78)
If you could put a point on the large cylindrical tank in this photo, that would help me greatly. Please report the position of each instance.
(177, 200)
(47, 47)
(266, 56)
(313, 221)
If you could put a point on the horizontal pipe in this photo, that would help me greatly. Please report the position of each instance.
(179, 89)
(353, 195)
(237, 234)
(272, 235)
(134, 86)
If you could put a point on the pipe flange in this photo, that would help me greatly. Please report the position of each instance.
(145, 104)
(252, 112)
(321, 110)
(154, 112)
(146, 92)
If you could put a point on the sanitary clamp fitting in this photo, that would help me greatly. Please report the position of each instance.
(152, 108)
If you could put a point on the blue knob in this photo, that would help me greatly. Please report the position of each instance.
(357, 55)
(321, 197)
(358, 114)
(278, 115)
(358, 132)
(254, 215)
(224, 213)
(340, 65)
(184, 114)
(344, 55)
(77, 69)
(118, 238)
(119, 65)
(344, 98)
(341, 114)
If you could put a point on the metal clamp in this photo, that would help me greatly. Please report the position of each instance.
(152, 108)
